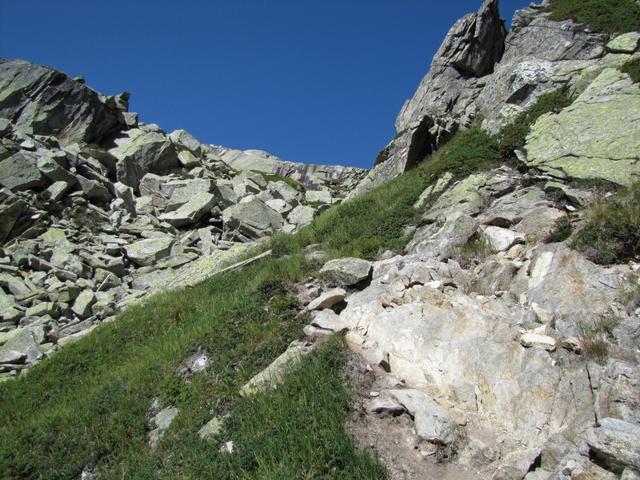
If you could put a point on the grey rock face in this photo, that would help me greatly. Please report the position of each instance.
(43, 101)
(492, 79)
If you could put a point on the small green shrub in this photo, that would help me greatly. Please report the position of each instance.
(562, 230)
(513, 136)
(632, 68)
(611, 233)
(607, 16)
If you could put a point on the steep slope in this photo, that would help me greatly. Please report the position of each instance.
(484, 341)
(97, 209)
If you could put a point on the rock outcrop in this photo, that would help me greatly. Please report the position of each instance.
(479, 75)
(98, 209)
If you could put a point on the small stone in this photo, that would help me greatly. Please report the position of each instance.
(531, 339)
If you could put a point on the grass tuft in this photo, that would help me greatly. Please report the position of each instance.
(632, 68)
(607, 16)
(274, 177)
(611, 233)
(562, 230)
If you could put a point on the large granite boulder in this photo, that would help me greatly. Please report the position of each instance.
(191, 212)
(251, 219)
(140, 151)
(43, 101)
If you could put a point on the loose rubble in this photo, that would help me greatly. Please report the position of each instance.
(100, 213)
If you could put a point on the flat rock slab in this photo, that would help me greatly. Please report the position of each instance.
(347, 271)
(147, 252)
(616, 443)
(192, 211)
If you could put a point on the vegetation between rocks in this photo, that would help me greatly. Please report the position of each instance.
(513, 136)
(632, 68)
(608, 16)
(611, 233)
(378, 220)
(274, 177)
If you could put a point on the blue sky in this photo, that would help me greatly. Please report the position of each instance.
(316, 81)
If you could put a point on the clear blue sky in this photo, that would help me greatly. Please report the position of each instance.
(316, 81)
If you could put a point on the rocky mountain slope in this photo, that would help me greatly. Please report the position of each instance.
(484, 277)
(97, 209)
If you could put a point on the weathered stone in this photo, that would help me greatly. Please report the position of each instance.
(41, 309)
(347, 271)
(252, 219)
(192, 211)
(212, 428)
(160, 423)
(616, 444)
(533, 339)
(502, 239)
(20, 348)
(596, 138)
(94, 190)
(625, 43)
(20, 171)
(82, 305)
(43, 101)
(185, 193)
(432, 423)
(140, 152)
(318, 196)
(146, 252)
(301, 215)
(273, 375)
(11, 209)
(184, 140)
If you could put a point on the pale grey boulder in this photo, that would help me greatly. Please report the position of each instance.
(192, 211)
(301, 215)
(20, 348)
(596, 138)
(160, 423)
(146, 252)
(502, 239)
(185, 141)
(318, 196)
(84, 302)
(347, 271)
(274, 375)
(11, 209)
(140, 151)
(252, 219)
(185, 192)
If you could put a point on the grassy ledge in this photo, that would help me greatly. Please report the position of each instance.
(611, 233)
(606, 16)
